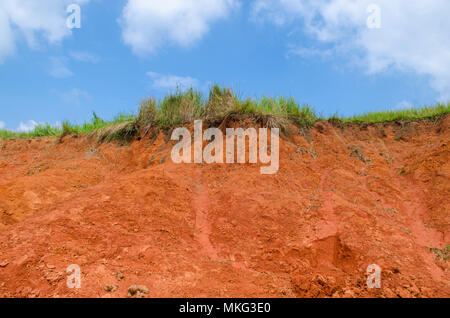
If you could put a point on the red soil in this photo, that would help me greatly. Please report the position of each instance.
(311, 230)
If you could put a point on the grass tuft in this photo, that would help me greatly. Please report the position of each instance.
(147, 113)
(221, 103)
(443, 254)
(123, 132)
(179, 108)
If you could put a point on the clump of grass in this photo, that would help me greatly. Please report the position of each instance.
(124, 132)
(221, 103)
(46, 130)
(121, 132)
(288, 109)
(443, 254)
(223, 107)
(98, 123)
(67, 129)
(179, 108)
(147, 112)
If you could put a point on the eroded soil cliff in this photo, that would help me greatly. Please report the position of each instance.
(345, 196)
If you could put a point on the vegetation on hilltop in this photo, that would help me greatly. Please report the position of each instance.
(182, 107)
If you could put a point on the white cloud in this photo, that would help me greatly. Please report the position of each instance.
(28, 126)
(307, 53)
(2, 124)
(75, 96)
(404, 105)
(32, 20)
(6, 35)
(170, 82)
(277, 12)
(82, 56)
(58, 68)
(149, 24)
(414, 34)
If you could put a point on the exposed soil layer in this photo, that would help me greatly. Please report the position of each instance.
(346, 196)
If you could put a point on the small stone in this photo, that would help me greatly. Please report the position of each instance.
(349, 294)
(34, 293)
(336, 295)
(389, 293)
(119, 275)
(138, 291)
(402, 293)
(111, 288)
(4, 264)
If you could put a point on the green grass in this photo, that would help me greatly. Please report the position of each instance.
(39, 131)
(67, 128)
(181, 107)
(404, 114)
(443, 254)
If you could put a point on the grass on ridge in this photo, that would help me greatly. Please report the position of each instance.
(181, 107)
(403, 114)
(66, 128)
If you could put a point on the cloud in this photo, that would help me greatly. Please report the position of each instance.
(277, 12)
(308, 53)
(147, 25)
(34, 21)
(6, 36)
(75, 96)
(84, 57)
(28, 126)
(170, 82)
(413, 36)
(2, 124)
(404, 105)
(58, 68)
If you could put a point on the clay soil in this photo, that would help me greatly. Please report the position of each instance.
(346, 196)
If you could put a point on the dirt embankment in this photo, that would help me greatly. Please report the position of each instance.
(345, 197)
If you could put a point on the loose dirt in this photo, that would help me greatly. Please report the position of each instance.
(346, 196)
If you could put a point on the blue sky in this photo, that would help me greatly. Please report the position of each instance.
(320, 52)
